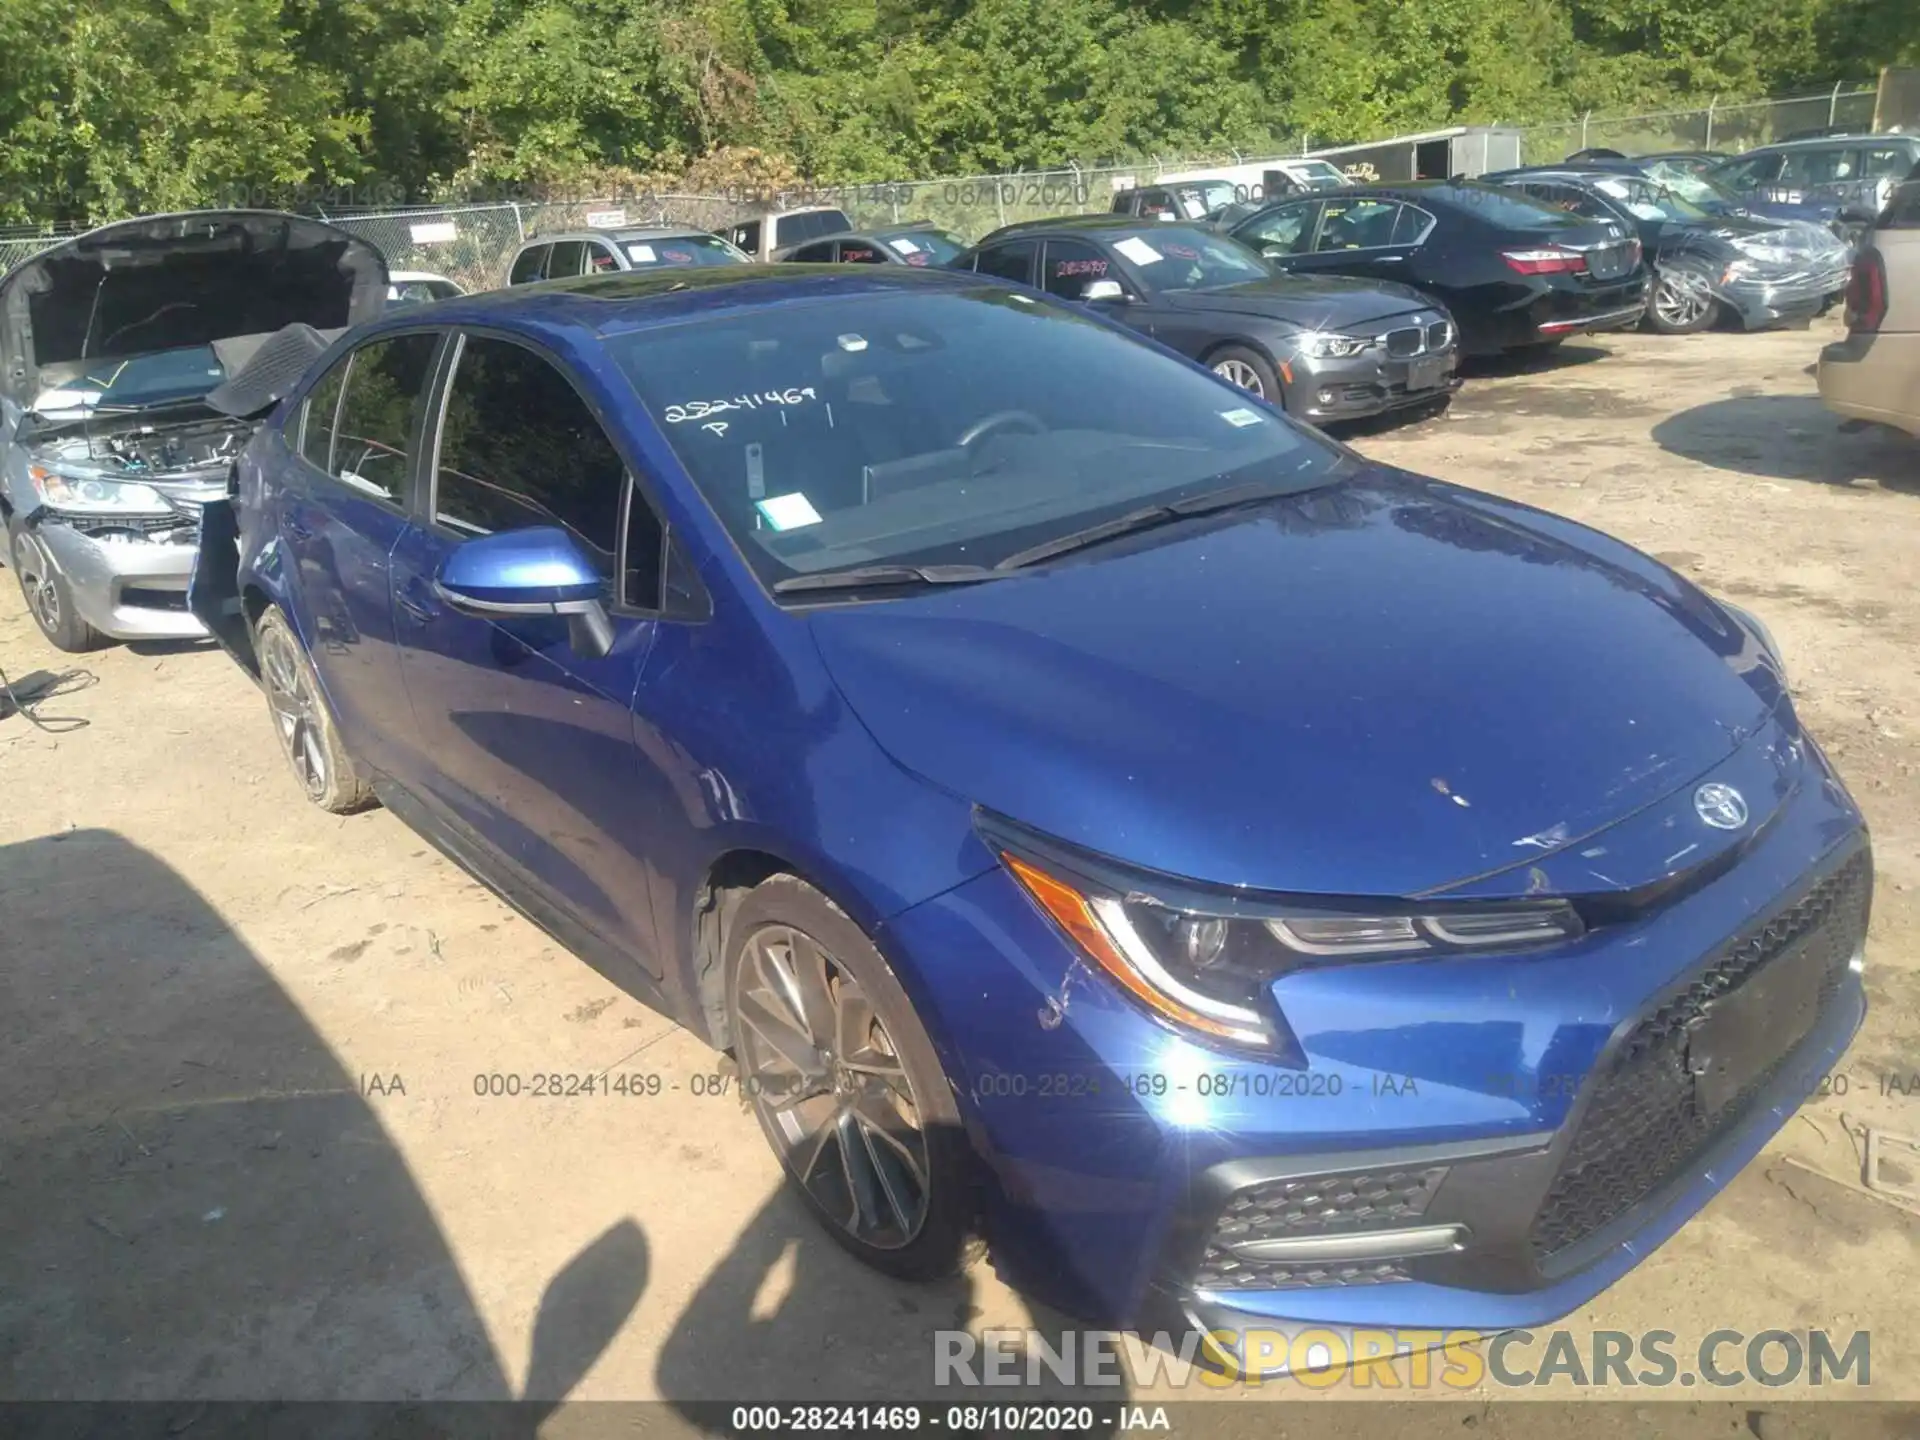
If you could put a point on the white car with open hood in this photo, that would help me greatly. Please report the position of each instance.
(135, 362)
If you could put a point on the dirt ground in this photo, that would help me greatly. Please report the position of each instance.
(241, 1152)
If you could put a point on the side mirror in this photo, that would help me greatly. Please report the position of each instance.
(1095, 290)
(537, 571)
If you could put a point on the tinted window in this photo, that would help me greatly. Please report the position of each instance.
(316, 430)
(747, 237)
(861, 252)
(1357, 225)
(792, 229)
(1819, 167)
(600, 258)
(1879, 161)
(1284, 231)
(1903, 210)
(375, 432)
(1570, 198)
(646, 543)
(1070, 265)
(530, 266)
(519, 447)
(567, 259)
(813, 254)
(1503, 209)
(835, 434)
(1413, 226)
(1012, 261)
(923, 246)
(650, 254)
(1747, 174)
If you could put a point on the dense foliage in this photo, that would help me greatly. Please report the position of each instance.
(113, 106)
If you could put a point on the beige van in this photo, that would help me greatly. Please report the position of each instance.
(1874, 374)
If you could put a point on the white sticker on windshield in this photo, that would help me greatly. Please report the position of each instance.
(1137, 250)
(904, 246)
(640, 254)
(1194, 206)
(1241, 417)
(852, 344)
(788, 512)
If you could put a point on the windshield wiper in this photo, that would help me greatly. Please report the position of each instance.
(1146, 518)
(863, 577)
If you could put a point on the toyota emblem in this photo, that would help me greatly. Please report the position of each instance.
(1721, 806)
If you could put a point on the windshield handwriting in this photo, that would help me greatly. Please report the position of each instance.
(700, 409)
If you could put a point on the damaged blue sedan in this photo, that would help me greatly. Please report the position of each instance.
(1245, 884)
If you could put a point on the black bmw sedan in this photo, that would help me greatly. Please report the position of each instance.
(1512, 272)
(1327, 347)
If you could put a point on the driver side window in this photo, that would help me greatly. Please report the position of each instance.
(519, 447)
(1285, 231)
(1071, 264)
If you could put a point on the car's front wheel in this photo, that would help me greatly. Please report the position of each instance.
(1682, 301)
(1248, 369)
(49, 598)
(309, 738)
(845, 1082)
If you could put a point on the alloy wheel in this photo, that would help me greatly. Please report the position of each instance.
(37, 582)
(295, 708)
(1238, 372)
(1680, 299)
(830, 1089)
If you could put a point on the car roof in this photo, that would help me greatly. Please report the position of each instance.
(620, 301)
(1815, 142)
(622, 233)
(1081, 224)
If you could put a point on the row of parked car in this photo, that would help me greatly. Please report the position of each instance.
(1098, 812)
(1335, 301)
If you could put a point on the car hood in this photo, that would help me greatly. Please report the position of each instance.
(1320, 302)
(1389, 686)
(225, 278)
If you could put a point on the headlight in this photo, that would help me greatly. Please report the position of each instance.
(1206, 966)
(1327, 345)
(87, 495)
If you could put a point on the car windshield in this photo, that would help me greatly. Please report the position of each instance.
(1690, 184)
(1647, 200)
(1177, 257)
(1317, 174)
(950, 427)
(181, 374)
(921, 246)
(679, 250)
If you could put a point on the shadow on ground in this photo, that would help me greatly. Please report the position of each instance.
(1533, 360)
(1789, 437)
(198, 1204)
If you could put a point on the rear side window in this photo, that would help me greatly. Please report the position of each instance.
(747, 236)
(860, 252)
(813, 254)
(1413, 226)
(520, 448)
(1071, 265)
(530, 265)
(1359, 224)
(374, 436)
(316, 423)
(1903, 210)
(1880, 161)
(1008, 262)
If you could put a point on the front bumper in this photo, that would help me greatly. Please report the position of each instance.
(1321, 391)
(133, 588)
(1786, 297)
(1119, 1149)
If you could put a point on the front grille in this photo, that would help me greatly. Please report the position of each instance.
(1644, 1123)
(1356, 1201)
(1230, 1273)
(1439, 335)
(151, 527)
(1402, 343)
(144, 597)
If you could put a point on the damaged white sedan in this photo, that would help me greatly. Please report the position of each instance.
(123, 404)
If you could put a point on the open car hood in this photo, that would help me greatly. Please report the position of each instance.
(225, 278)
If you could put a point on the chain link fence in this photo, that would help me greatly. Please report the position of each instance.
(1712, 127)
(474, 244)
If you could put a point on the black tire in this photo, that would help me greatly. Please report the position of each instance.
(1679, 302)
(1248, 369)
(773, 919)
(308, 736)
(49, 598)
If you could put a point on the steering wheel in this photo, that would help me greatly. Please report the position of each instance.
(1000, 420)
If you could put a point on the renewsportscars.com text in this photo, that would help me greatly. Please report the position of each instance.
(1449, 1359)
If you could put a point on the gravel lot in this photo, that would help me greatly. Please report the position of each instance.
(241, 1152)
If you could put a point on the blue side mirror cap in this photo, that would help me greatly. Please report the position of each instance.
(540, 570)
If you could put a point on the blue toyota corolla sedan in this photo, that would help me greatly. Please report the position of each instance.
(1240, 881)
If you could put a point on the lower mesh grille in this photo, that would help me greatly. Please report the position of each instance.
(1343, 1204)
(1644, 1121)
(1232, 1274)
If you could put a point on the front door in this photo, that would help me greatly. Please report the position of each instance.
(530, 743)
